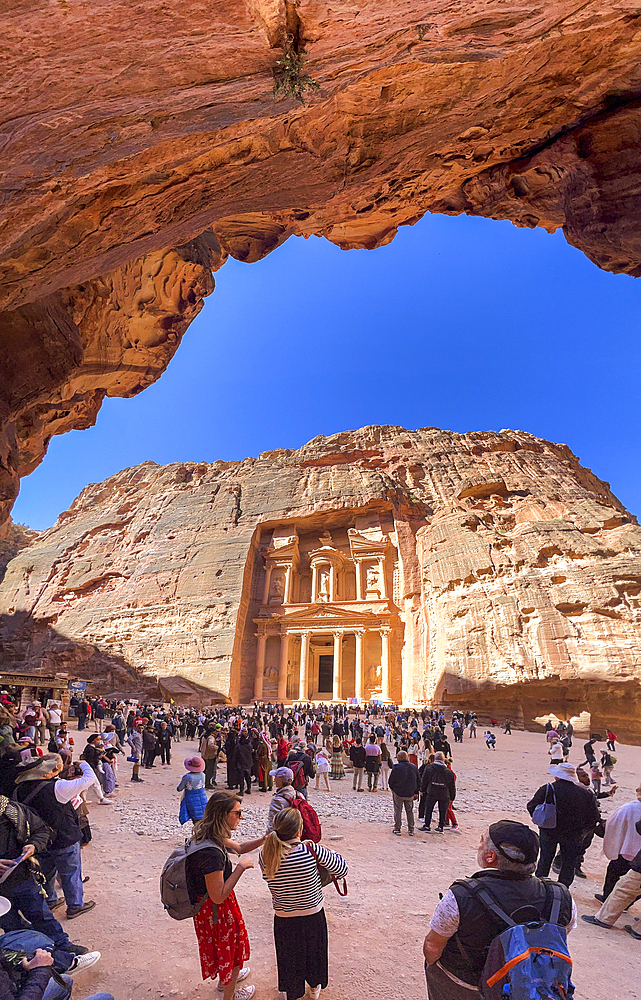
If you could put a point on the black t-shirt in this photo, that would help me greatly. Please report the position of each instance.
(203, 862)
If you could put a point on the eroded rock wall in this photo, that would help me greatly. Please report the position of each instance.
(130, 129)
(519, 570)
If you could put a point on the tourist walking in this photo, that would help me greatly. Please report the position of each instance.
(192, 785)
(292, 870)
(323, 767)
(338, 771)
(404, 783)
(626, 891)
(386, 764)
(223, 943)
(209, 748)
(439, 787)
(164, 744)
(621, 843)
(358, 758)
(135, 742)
(577, 815)
(372, 763)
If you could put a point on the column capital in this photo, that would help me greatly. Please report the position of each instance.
(338, 633)
(359, 631)
(385, 630)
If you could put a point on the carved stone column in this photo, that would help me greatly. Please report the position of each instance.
(338, 666)
(303, 689)
(314, 584)
(287, 596)
(268, 580)
(381, 573)
(359, 633)
(332, 582)
(359, 579)
(385, 661)
(282, 666)
(260, 666)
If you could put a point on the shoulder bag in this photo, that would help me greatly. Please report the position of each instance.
(325, 876)
(544, 815)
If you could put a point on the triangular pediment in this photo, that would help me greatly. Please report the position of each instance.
(328, 614)
(360, 545)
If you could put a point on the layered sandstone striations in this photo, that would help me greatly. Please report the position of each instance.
(130, 129)
(514, 573)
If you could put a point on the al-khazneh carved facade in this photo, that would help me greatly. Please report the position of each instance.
(328, 627)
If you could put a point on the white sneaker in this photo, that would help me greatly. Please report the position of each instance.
(246, 993)
(106, 802)
(82, 962)
(241, 975)
(315, 993)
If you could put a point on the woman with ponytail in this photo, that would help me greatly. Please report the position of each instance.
(300, 928)
(222, 937)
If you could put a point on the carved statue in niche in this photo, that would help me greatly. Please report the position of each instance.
(271, 673)
(323, 585)
(326, 539)
(372, 578)
(291, 680)
(276, 590)
(375, 677)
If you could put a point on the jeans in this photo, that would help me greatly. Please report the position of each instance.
(82, 722)
(358, 777)
(385, 769)
(165, 754)
(570, 854)
(27, 898)
(372, 780)
(68, 865)
(56, 992)
(245, 777)
(400, 804)
(430, 801)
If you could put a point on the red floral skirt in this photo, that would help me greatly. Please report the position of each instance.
(223, 946)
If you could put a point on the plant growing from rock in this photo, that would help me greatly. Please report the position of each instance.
(290, 78)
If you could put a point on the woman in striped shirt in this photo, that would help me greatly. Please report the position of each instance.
(300, 928)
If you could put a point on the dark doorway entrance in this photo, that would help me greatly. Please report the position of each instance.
(326, 673)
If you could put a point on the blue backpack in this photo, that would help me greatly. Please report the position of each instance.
(528, 960)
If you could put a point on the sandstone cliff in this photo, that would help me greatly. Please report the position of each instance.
(516, 583)
(128, 130)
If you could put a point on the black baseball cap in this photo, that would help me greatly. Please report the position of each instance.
(515, 841)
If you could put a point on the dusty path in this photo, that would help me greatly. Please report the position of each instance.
(376, 933)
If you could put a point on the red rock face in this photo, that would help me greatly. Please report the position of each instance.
(513, 574)
(128, 129)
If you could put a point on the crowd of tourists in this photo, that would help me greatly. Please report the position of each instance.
(270, 748)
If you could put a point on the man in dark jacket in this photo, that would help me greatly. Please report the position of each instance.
(438, 786)
(242, 761)
(462, 928)
(404, 783)
(22, 832)
(577, 815)
(358, 757)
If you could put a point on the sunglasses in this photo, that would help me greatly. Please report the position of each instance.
(237, 812)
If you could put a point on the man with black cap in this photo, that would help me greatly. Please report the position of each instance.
(461, 928)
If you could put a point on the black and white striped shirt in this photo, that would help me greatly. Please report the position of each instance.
(296, 888)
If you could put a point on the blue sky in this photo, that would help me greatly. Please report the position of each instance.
(460, 323)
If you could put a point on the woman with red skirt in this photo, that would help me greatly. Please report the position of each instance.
(222, 936)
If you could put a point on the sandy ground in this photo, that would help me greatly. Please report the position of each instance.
(376, 933)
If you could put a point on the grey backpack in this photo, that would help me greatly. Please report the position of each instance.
(174, 894)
